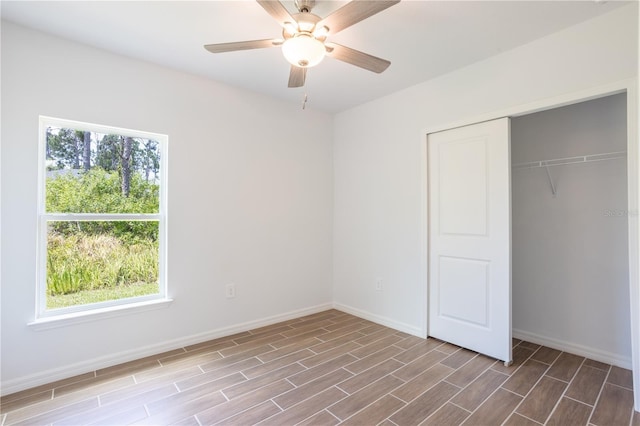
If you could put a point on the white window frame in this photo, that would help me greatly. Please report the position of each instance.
(111, 307)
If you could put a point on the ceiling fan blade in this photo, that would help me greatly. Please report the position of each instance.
(354, 12)
(357, 58)
(297, 76)
(242, 45)
(277, 11)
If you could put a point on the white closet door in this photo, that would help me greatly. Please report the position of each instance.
(470, 237)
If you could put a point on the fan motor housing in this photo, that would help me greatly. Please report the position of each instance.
(304, 5)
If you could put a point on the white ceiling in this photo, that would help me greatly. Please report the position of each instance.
(422, 39)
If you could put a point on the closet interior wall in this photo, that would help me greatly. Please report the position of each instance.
(570, 250)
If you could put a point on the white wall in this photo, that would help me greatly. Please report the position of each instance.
(378, 148)
(570, 252)
(250, 201)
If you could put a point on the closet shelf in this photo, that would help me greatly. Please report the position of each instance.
(570, 160)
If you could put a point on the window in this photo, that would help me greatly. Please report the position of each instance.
(102, 217)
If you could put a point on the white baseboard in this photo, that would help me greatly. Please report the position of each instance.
(378, 319)
(52, 375)
(574, 348)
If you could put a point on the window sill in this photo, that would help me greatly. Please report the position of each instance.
(64, 320)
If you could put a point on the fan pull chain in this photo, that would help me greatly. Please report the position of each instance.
(304, 101)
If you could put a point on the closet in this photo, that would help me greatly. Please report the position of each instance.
(570, 283)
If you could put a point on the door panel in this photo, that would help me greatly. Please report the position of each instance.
(470, 237)
(469, 277)
(459, 193)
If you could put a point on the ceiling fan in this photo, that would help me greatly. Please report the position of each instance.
(304, 36)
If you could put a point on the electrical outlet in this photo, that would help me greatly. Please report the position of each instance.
(379, 284)
(230, 291)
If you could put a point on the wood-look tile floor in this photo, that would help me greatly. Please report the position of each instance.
(333, 368)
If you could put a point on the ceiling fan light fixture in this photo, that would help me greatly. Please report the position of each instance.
(303, 50)
(304, 35)
(290, 28)
(321, 31)
(306, 26)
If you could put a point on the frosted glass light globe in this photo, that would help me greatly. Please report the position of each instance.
(303, 50)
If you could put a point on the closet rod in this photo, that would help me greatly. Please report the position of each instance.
(570, 160)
